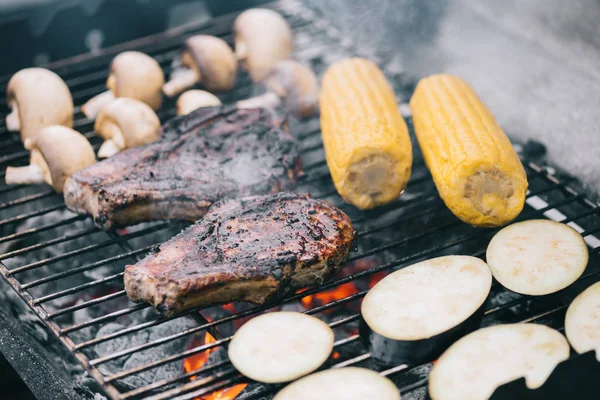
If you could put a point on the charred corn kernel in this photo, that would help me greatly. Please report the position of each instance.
(366, 141)
(475, 168)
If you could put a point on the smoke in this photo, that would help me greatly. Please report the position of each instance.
(534, 63)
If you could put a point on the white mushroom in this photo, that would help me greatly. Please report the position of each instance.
(126, 123)
(56, 153)
(262, 39)
(206, 59)
(290, 84)
(38, 98)
(133, 75)
(195, 99)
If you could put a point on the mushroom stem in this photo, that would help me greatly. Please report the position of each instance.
(180, 80)
(108, 149)
(92, 106)
(29, 174)
(267, 100)
(13, 123)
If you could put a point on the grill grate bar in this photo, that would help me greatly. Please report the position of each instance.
(165, 382)
(201, 382)
(27, 199)
(48, 243)
(184, 354)
(9, 188)
(106, 318)
(76, 289)
(32, 214)
(86, 304)
(84, 268)
(86, 249)
(32, 231)
(200, 328)
(240, 379)
(127, 331)
(204, 369)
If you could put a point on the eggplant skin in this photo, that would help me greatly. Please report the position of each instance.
(393, 352)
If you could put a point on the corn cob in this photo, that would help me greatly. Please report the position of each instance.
(366, 141)
(475, 168)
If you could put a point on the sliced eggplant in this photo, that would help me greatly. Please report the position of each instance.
(341, 384)
(582, 323)
(280, 346)
(473, 367)
(414, 314)
(537, 257)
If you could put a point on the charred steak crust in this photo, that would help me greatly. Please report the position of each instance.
(254, 249)
(208, 155)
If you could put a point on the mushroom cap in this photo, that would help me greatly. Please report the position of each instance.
(65, 151)
(194, 99)
(136, 122)
(42, 99)
(214, 59)
(296, 84)
(262, 38)
(137, 76)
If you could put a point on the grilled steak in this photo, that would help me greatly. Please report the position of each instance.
(208, 155)
(254, 249)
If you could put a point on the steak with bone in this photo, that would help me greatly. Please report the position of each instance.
(203, 157)
(254, 249)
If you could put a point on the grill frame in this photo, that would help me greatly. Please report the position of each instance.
(169, 44)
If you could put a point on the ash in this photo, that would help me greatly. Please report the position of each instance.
(145, 357)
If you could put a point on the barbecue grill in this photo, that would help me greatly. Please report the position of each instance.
(70, 274)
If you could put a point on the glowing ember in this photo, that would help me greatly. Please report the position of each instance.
(376, 277)
(229, 307)
(341, 292)
(196, 361)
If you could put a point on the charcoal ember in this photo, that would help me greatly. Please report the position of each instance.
(86, 314)
(145, 357)
(417, 394)
(258, 391)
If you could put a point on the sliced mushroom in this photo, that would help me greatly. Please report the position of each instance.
(206, 59)
(126, 123)
(133, 75)
(195, 99)
(262, 39)
(38, 98)
(56, 153)
(290, 84)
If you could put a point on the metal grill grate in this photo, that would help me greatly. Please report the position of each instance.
(412, 228)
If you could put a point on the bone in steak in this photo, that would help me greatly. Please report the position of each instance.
(254, 249)
(208, 155)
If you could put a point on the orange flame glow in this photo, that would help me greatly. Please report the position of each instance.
(196, 361)
(342, 291)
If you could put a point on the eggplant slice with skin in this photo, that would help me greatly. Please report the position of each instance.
(582, 322)
(341, 384)
(280, 346)
(537, 257)
(473, 367)
(414, 314)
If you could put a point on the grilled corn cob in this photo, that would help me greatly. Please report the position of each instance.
(366, 141)
(475, 168)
